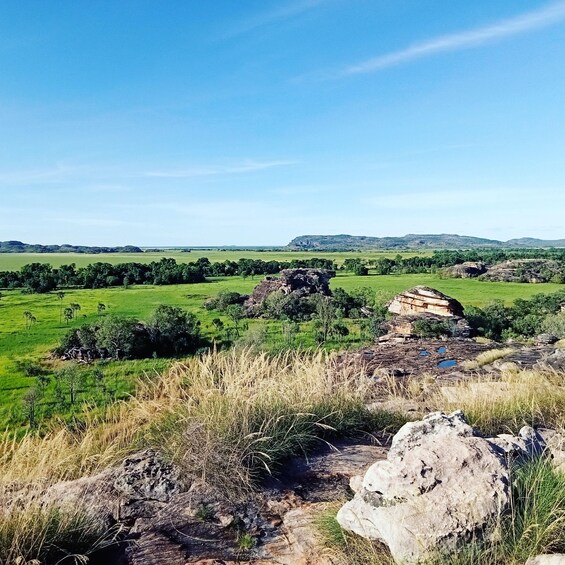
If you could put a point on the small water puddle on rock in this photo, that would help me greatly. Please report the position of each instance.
(424, 353)
(441, 350)
(446, 363)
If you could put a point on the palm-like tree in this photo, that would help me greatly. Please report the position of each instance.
(75, 308)
(60, 296)
(29, 319)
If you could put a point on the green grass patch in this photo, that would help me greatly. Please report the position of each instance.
(15, 261)
(18, 343)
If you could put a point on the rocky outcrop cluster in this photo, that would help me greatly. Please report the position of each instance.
(297, 282)
(515, 270)
(525, 270)
(440, 486)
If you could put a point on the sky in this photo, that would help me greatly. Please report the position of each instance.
(249, 123)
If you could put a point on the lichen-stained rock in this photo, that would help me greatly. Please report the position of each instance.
(407, 325)
(525, 270)
(298, 282)
(440, 486)
(425, 300)
(467, 270)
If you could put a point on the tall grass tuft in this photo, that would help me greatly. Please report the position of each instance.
(51, 535)
(238, 415)
(529, 397)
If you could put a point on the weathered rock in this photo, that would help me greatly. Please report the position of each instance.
(405, 356)
(440, 486)
(146, 477)
(524, 270)
(546, 339)
(135, 488)
(555, 447)
(425, 300)
(547, 559)
(467, 270)
(555, 360)
(298, 282)
(407, 325)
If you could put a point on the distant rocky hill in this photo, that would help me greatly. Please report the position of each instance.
(345, 242)
(19, 247)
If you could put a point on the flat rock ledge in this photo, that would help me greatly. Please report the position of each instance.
(440, 486)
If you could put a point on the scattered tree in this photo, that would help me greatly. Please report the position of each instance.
(30, 402)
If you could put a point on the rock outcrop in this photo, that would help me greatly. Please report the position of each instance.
(467, 270)
(453, 326)
(425, 300)
(297, 282)
(440, 486)
(525, 270)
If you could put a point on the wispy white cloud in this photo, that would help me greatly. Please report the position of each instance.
(281, 12)
(537, 19)
(244, 167)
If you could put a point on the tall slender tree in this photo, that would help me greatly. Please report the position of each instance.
(60, 296)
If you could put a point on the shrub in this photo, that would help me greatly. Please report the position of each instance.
(174, 331)
(554, 324)
(240, 415)
(170, 331)
(429, 327)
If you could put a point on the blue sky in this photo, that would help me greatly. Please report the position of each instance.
(251, 122)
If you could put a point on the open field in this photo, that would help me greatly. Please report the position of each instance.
(17, 343)
(15, 261)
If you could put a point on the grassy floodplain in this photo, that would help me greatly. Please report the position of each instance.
(17, 343)
(15, 261)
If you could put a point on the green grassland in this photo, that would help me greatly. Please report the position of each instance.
(18, 343)
(15, 261)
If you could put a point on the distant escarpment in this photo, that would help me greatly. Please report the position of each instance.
(20, 247)
(344, 242)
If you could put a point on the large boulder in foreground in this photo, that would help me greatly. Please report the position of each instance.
(425, 300)
(440, 486)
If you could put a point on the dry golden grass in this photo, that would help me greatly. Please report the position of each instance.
(526, 397)
(224, 413)
(488, 357)
(238, 415)
(33, 534)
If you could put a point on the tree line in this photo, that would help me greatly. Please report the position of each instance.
(42, 277)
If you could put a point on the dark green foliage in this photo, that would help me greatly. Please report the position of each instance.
(429, 327)
(170, 331)
(224, 299)
(524, 318)
(174, 331)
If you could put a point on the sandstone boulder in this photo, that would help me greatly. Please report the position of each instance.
(440, 486)
(467, 270)
(425, 300)
(296, 282)
(546, 339)
(453, 326)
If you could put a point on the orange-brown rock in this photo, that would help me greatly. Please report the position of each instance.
(425, 300)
